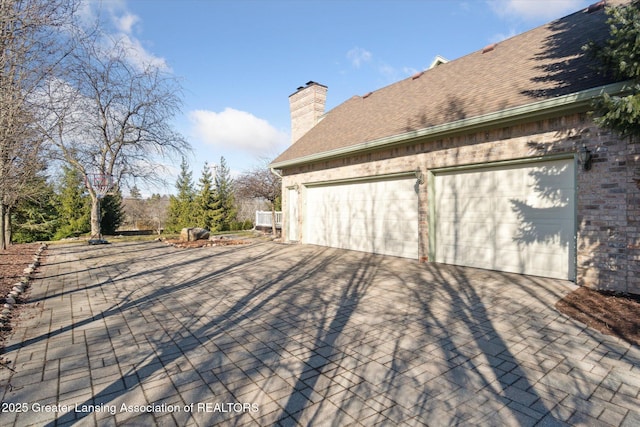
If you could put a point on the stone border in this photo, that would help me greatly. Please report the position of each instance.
(19, 288)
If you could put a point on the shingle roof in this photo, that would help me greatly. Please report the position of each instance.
(540, 64)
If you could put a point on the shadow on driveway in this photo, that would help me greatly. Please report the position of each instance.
(303, 335)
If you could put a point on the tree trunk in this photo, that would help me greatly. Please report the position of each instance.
(3, 244)
(7, 227)
(95, 218)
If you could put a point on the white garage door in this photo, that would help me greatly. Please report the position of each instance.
(372, 216)
(518, 218)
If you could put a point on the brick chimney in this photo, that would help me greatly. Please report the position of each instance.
(307, 107)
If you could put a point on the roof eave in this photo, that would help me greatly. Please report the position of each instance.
(563, 104)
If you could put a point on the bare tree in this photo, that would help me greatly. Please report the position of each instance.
(261, 183)
(30, 50)
(157, 212)
(111, 116)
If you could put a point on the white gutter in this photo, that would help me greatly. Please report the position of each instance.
(535, 109)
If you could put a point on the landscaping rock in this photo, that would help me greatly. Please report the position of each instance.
(184, 234)
(193, 234)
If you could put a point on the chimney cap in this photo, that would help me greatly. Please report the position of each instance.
(307, 85)
(312, 83)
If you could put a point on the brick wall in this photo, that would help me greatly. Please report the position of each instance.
(607, 197)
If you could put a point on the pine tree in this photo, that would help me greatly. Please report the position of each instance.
(134, 193)
(620, 58)
(224, 195)
(208, 206)
(181, 212)
(112, 213)
(35, 218)
(73, 205)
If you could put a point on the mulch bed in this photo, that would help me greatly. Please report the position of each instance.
(206, 243)
(13, 261)
(609, 313)
(612, 314)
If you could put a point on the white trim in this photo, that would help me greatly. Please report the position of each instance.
(381, 177)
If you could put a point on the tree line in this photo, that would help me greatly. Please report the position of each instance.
(62, 209)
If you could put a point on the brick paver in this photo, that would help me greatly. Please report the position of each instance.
(263, 334)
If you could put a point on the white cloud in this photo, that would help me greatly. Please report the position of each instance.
(126, 22)
(358, 56)
(535, 9)
(118, 23)
(139, 56)
(237, 129)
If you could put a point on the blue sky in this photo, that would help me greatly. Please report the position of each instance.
(239, 60)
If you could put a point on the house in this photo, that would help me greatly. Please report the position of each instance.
(475, 162)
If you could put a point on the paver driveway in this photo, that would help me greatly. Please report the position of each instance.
(144, 334)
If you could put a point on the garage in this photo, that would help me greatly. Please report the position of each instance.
(517, 217)
(373, 215)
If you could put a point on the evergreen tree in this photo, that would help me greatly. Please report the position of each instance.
(620, 57)
(35, 218)
(224, 195)
(181, 206)
(73, 205)
(112, 213)
(208, 207)
(135, 193)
